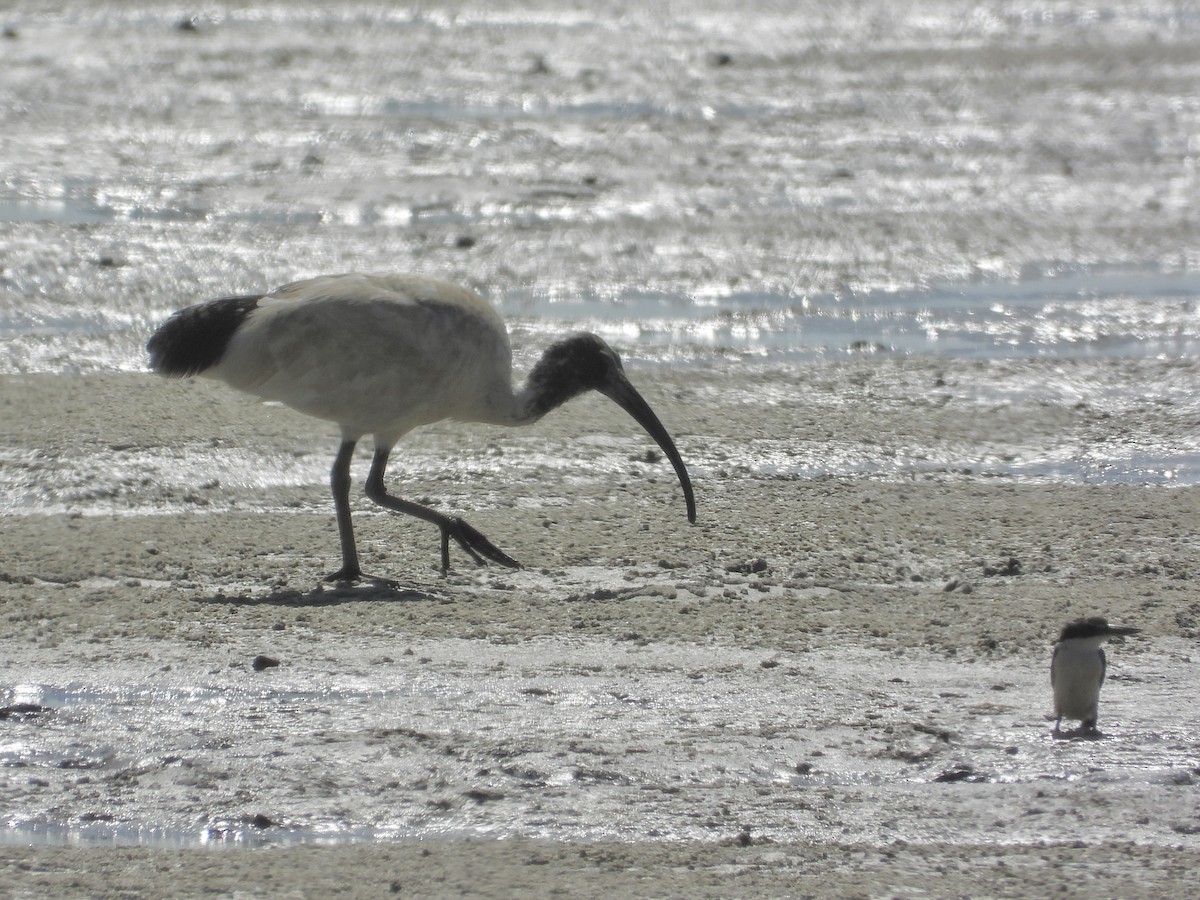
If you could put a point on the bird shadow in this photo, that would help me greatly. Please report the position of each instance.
(323, 595)
(1078, 734)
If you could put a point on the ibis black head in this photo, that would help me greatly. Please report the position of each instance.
(584, 362)
(1094, 627)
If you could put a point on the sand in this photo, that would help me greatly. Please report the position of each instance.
(835, 683)
(523, 868)
(854, 635)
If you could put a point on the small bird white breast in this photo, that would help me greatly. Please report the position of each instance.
(1077, 671)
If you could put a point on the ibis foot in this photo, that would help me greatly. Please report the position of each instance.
(473, 543)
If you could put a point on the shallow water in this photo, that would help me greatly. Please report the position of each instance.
(986, 210)
(783, 184)
(794, 187)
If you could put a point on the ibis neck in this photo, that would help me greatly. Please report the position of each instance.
(535, 398)
(567, 369)
(522, 405)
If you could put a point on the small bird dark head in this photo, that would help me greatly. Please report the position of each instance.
(584, 362)
(1094, 627)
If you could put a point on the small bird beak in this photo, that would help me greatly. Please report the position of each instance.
(625, 395)
(1119, 630)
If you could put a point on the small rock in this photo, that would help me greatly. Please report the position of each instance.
(754, 566)
(960, 773)
(1006, 569)
(481, 796)
(537, 65)
(23, 711)
(263, 662)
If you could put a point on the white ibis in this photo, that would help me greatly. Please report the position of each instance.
(1077, 670)
(381, 355)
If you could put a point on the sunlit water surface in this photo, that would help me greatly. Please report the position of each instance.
(807, 191)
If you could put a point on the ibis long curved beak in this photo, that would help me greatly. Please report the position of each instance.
(625, 395)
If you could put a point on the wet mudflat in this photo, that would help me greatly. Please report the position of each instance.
(828, 662)
(912, 286)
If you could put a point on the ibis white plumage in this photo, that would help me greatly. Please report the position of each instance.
(381, 355)
(1077, 670)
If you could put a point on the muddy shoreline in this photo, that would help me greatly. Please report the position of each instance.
(742, 700)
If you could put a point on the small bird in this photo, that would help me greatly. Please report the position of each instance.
(382, 355)
(1077, 670)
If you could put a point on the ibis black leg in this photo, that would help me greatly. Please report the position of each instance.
(475, 544)
(339, 480)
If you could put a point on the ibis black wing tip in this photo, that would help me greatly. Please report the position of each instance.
(195, 338)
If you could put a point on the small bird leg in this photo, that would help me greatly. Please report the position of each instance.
(475, 544)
